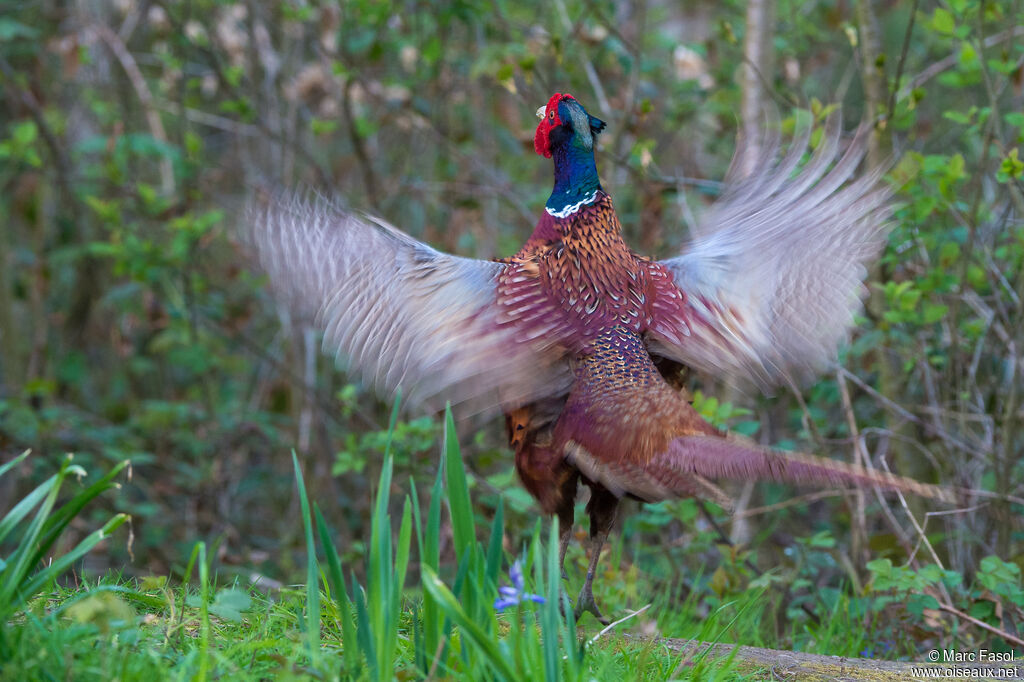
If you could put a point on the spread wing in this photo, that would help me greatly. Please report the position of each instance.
(398, 312)
(774, 275)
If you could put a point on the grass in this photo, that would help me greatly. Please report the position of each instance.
(437, 621)
(121, 637)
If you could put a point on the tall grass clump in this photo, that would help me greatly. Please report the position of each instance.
(33, 525)
(459, 625)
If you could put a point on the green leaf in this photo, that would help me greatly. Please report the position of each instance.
(230, 603)
(942, 21)
(968, 55)
(880, 567)
(505, 71)
(1011, 167)
(917, 603)
(11, 29)
(321, 127)
(1016, 119)
(24, 133)
(933, 312)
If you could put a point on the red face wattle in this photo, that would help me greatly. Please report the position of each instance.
(541, 141)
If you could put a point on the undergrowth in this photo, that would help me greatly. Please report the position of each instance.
(415, 609)
(405, 620)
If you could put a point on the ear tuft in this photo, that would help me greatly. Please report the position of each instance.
(596, 125)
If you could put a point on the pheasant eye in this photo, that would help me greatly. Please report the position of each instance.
(551, 114)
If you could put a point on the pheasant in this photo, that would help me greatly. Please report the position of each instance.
(578, 340)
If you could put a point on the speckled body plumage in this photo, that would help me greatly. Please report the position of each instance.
(577, 339)
(579, 270)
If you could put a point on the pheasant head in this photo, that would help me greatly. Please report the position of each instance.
(564, 122)
(566, 134)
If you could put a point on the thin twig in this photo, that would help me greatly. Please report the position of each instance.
(608, 628)
(211, 120)
(903, 59)
(437, 656)
(981, 624)
(921, 534)
(860, 458)
(910, 416)
(324, 175)
(727, 541)
(685, 661)
(61, 163)
(588, 66)
(952, 60)
(131, 69)
(792, 502)
(356, 140)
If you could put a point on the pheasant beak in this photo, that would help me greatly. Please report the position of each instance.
(540, 111)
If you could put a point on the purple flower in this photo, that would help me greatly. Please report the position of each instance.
(886, 647)
(516, 593)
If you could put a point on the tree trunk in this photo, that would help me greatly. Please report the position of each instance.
(758, 71)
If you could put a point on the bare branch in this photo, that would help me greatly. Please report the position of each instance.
(131, 69)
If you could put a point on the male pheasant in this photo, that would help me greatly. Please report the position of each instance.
(573, 337)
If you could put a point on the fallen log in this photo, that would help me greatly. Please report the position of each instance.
(798, 666)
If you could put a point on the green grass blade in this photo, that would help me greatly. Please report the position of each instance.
(149, 601)
(550, 615)
(54, 570)
(335, 577)
(24, 506)
(379, 581)
(185, 578)
(13, 463)
(432, 552)
(67, 512)
(20, 562)
(312, 570)
(396, 585)
(433, 619)
(480, 638)
(393, 420)
(204, 614)
(494, 549)
(458, 490)
(350, 643)
(363, 631)
(417, 517)
(402, 550)
(404, 544)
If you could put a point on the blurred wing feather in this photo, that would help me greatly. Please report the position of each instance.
(774, 274)
(398, 312)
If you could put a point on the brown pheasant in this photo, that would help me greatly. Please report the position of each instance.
(568, 335)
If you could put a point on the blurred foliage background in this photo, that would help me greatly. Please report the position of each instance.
(131, 325)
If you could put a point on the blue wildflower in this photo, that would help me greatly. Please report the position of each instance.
(886, 645)
(516, 593)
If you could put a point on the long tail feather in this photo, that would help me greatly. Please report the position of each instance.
(737, 458)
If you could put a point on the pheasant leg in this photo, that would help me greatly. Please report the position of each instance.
(585, 602)
(564, 536)
(601, 508)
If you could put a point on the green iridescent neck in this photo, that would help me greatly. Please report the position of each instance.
(576, 181)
